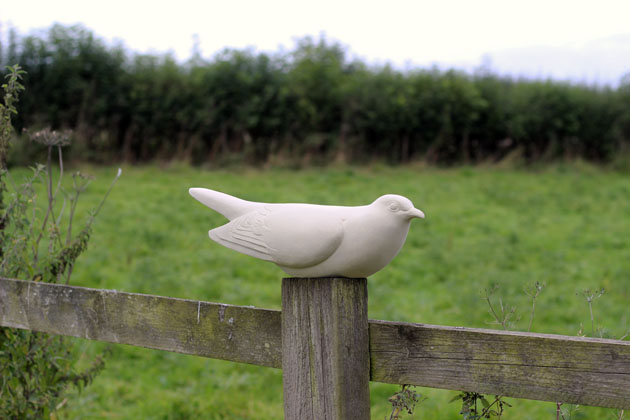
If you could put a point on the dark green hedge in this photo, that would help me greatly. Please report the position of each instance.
(308, 106)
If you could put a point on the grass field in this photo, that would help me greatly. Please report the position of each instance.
(565, 226)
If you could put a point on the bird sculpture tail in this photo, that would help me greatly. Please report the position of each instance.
(228, 206)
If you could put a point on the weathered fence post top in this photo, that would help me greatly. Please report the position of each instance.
(325, 349)
(309, 240)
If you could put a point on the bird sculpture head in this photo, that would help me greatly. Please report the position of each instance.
(399, 205)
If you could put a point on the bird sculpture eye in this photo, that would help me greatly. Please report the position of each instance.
(393, 206)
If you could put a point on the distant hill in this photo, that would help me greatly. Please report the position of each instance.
(603, 61)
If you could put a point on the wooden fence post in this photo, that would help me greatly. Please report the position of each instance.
(325, 349)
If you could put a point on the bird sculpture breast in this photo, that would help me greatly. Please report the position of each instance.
(310, 240)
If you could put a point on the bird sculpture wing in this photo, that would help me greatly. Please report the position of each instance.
(289, 235)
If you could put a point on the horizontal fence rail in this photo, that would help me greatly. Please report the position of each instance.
(543, 367)
(236, 333)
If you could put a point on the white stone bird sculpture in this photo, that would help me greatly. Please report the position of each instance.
(309, 240)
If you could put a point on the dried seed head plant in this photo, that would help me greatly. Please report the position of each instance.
(37, 243)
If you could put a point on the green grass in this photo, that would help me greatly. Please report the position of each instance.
(566, 226)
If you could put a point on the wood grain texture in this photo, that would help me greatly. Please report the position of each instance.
(525, 365)
(545, 367)
(325, 349)
(236, 333)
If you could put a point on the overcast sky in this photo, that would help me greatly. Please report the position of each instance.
(577, 40)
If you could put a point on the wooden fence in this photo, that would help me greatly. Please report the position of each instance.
(327, 347)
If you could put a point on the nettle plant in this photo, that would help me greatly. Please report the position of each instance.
(37, 242)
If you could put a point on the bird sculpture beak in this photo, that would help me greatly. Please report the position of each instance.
(415, 213)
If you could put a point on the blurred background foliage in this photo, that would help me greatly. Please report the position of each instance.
(311, 105)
